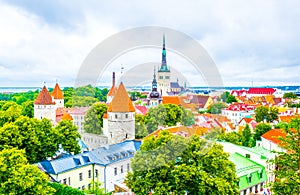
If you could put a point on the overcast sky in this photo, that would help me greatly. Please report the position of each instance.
(45, 41)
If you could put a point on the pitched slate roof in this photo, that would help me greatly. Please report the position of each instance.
(44, 98)
(121, 102)
(57, 93)
(101, 156)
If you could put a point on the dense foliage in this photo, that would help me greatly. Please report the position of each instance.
(216, 108)
(171, 163)
(290, 95)
(288, 163)
(37, 137)
(65, 190)
(93, 120)
(264, 113)
(17, 176)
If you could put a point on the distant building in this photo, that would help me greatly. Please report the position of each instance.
(165, 86)
(44, 106)
(154, 97)
(237, 111)
(58, 96)
(106, 165)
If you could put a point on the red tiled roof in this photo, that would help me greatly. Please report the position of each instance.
(269, 91)
(273, 136)
(121, 101)
(141, 110)
(57, 93)
(44, 98)
(240, 107)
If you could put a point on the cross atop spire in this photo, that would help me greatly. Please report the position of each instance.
(164, 67)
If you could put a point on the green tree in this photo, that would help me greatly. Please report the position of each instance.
(65, 190)
(247, 138)
(10, 136)
(262, 113)
(290, 95)
(155, 116)
(28, 109)
(19, 177)
(174, 114)
(171, 163)
(224, 96)
(230, 99)
(287, 173)
(216, 108)
(140, 127)
(93, 120)
(69, 136)
(232, 137)
(260, 129)
(9, 113)
(187, 117)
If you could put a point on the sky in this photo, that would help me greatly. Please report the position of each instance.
(252, 43)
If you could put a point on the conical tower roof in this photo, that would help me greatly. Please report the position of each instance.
(57, 93)
(121, 102)
(44, 98)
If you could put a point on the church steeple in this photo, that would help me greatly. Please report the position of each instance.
(154, 83)
(164, 67)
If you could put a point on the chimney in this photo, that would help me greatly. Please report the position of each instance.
(113, 79)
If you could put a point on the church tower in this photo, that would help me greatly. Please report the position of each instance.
(44, 107)
(58, 96)
(154, 97)
(120, 117)
(164, 73)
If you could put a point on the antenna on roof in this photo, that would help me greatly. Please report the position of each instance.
(44, 83)
(122, 68)
(56, 80)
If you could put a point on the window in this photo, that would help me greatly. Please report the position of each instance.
(247, 155)
(116, 171)
(250, 179)
(90, 174)
(260, 175)
(161, 77)
(80, 176)
(89, 186)
(96, 172)
(126, 115)
(128, 167)
(83, 187)
(65, 181)
(116, 116)
(69, 181)
(167, 77)
(121, 168)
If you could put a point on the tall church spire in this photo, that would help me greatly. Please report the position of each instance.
(154, 83)
(164, 67)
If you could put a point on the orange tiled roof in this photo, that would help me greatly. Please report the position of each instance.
(273, 136)
(57, 93)
(112, 91)
(44, 98)
(105, 115)
(121, 101)
(67, 116)
(286, 119)
(171, 100)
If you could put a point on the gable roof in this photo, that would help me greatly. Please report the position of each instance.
(269, 91)
(121, 102)
(44, 98)
(141, 109)
(57, 93)
(273, 136)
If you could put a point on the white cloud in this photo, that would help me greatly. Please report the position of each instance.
(246, 40)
